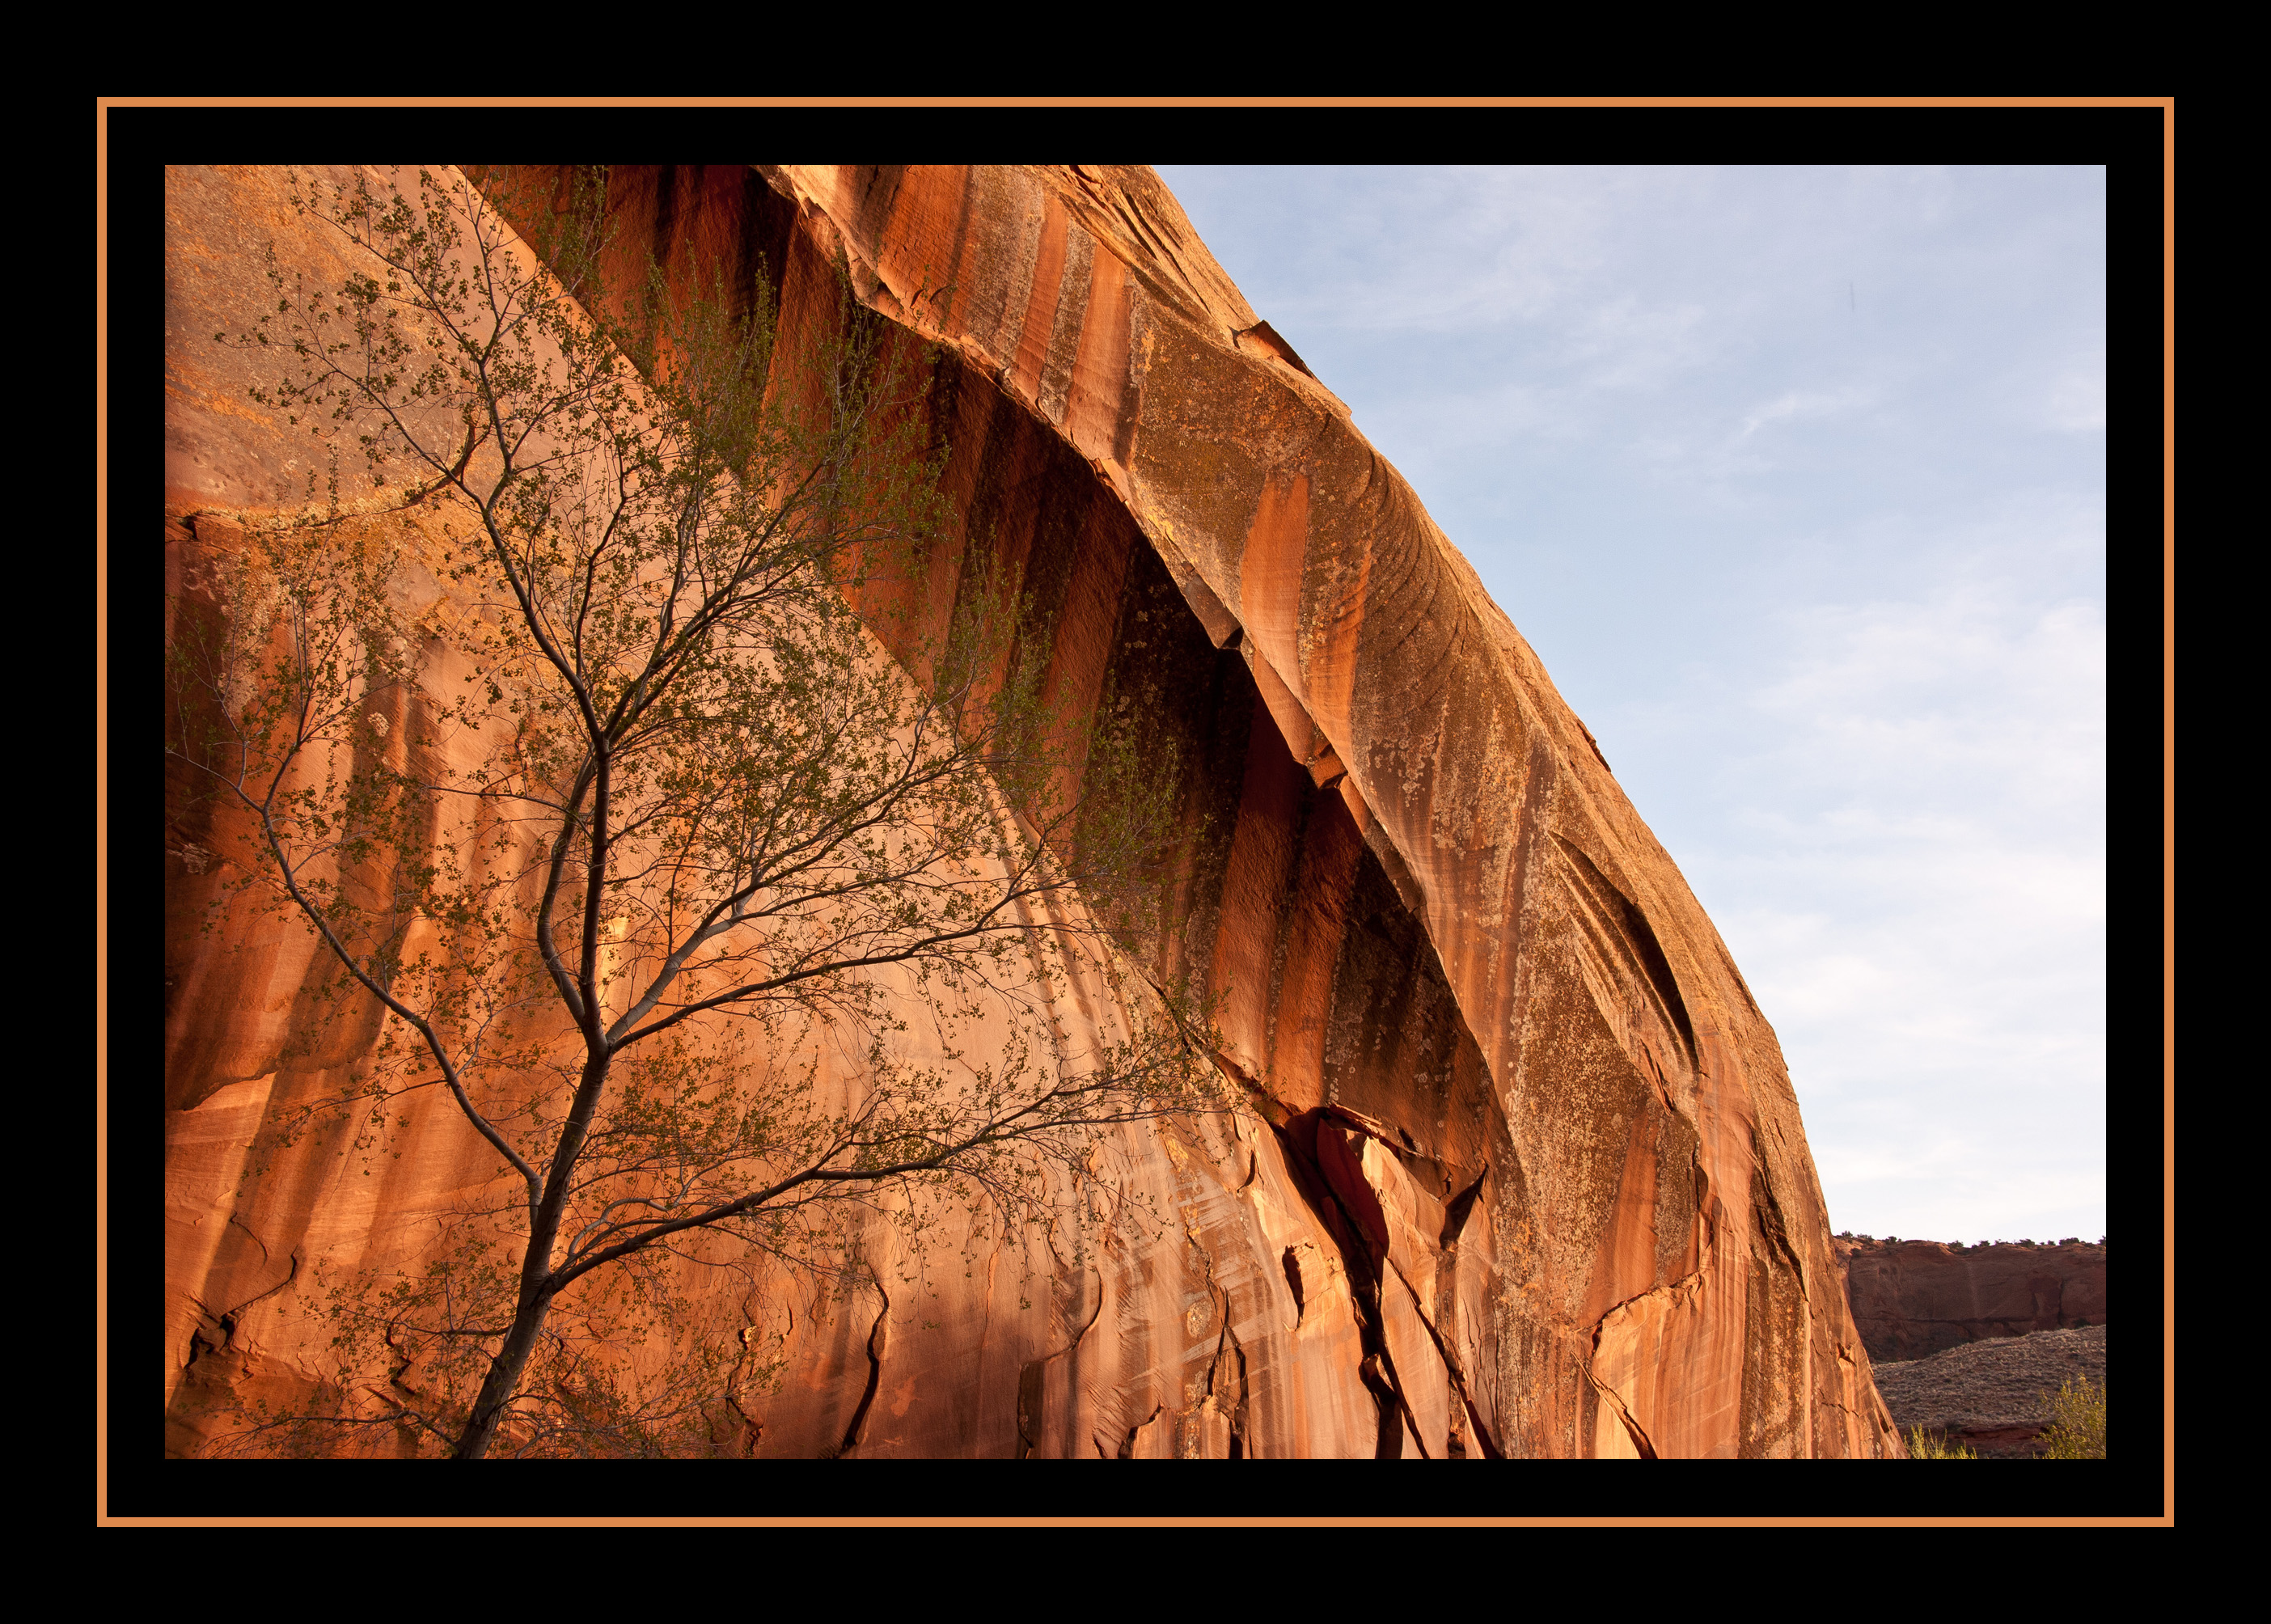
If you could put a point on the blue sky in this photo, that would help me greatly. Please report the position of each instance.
(1795, 479)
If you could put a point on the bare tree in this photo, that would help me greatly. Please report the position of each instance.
(607, 810)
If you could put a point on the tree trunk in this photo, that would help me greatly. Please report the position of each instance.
(505, 1376)
(536, 1286)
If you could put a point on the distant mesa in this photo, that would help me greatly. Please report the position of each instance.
(1912, 1299)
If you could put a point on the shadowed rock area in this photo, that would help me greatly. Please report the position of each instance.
(1526, 1177)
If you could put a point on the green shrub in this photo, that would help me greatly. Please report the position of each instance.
(1923, 1446)
(2077, 1428)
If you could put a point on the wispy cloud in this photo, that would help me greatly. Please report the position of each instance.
(1917, 864)
(1799, 403)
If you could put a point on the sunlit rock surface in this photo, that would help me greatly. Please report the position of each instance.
(1526, 1176)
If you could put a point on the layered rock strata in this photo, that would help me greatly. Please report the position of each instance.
(1525, 1176)
(1911, 1299)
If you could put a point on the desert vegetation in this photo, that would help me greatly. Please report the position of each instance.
(2076, 1431)
(2077, 1428)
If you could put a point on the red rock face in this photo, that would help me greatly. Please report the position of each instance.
(1526, 1177)
(1912, 1299)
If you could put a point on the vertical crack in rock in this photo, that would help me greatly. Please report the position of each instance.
(1456, 1209)
(1362, 1217)
(1458, 1374)
(876, 1337)
(1229, 1355)
(753, 1426)
(1768, 1207)
(1032, 1379)
(1225, 1391)
(1230, 1358)
(1029, 1405)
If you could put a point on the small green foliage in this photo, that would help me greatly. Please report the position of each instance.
(2077, 1428)
(1923, 1446)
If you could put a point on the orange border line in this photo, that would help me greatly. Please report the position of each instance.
(2168, 105)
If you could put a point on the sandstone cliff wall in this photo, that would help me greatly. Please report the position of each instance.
(1527, 1177)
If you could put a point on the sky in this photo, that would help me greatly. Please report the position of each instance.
(1795, 479)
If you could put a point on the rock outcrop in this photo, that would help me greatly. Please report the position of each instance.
(1915, 1297)
(1526, 1177)
(1992, 1396)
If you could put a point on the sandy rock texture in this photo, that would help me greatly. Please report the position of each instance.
(1525, 1177)
(1915, 1297)
(1992, 1394)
